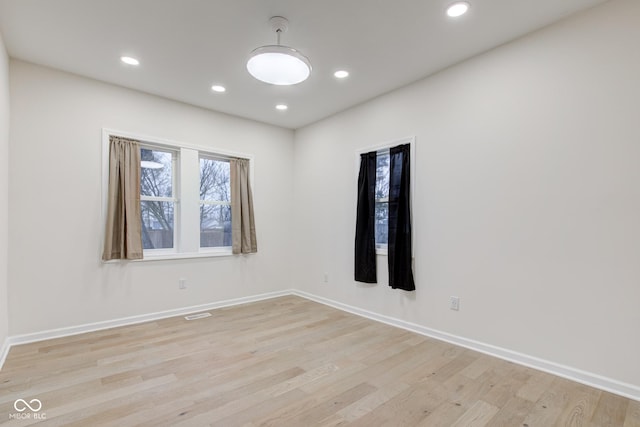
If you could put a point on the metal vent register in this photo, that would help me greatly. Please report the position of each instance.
(197, 316)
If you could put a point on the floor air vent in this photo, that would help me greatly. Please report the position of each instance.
(197, 316)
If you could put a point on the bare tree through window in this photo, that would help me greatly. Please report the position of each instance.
(382, 197)
(215, 202)
(156, 201)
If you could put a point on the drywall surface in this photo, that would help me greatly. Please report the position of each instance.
(4, 193)
(55, 204)
(527, 196)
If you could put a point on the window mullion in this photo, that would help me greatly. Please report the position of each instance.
(215, 202)
(158, 199)
(189, 184)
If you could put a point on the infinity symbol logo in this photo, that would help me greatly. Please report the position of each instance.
(21, 405)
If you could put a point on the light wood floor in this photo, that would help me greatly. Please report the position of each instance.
(288, 362)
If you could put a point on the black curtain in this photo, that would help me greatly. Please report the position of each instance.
(399, 245)
(365, 252)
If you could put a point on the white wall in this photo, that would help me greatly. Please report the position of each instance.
(527, 201)
(57, 279)
(4, 193)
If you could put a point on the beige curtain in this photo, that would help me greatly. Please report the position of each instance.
(243, 228)
(123, 236)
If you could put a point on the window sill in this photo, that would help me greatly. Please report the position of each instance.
(385, 252)
(175, 256)
(203, 254)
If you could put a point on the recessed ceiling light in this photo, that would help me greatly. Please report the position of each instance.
(281, 107)
(458, 9)
(218, 88)
(129, 60)
(341, 74)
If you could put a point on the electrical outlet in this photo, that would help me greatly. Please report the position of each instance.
(454, 303)
(182, 283)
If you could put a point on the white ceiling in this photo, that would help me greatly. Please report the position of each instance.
(185, 46)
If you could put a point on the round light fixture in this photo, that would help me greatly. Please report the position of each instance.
(341, 74)
(458, 9)
(129, 60)
(218, 88)
(277, 64)
(281, 107)
(147, 164)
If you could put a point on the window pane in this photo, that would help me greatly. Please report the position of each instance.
(382, 176)
(214, 180)
(157, 224)
(382, 223)
(156, 173)
(215, 226)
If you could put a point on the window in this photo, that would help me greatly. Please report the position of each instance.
(215, 202)
(382, 198)
(185, 197)
(157, 201)
(383, 169)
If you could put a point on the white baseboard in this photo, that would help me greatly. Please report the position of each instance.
(593, 380)
(108, 324)
(4, 351)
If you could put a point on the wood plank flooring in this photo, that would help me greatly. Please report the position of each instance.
(287, 362)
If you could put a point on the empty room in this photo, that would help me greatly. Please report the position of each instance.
(320, 213)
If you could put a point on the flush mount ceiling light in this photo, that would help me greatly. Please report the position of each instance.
(277, 64)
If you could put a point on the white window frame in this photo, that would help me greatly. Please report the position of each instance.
(175, 199)
(185, 191)
(220, 249)
(381, 249)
